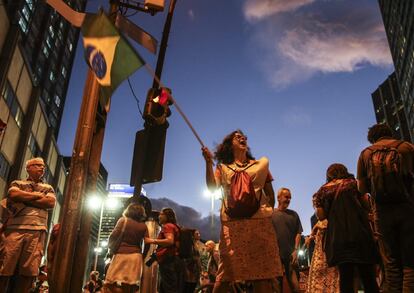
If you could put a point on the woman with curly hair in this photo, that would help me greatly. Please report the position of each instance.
(348, 242)
(248, 245)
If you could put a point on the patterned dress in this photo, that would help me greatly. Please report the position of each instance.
(322, 279)
(248, 247)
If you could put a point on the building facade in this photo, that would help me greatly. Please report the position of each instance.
(389, 107)
(37, 48)
(399, 25)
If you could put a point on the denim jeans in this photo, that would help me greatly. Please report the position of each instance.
(394, 224)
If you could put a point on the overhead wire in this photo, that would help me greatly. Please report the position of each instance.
(135, 96)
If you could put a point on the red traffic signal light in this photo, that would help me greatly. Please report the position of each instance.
(157, 106)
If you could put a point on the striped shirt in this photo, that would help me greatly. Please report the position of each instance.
(30, 218)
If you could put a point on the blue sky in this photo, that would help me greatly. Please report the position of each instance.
(295, 75)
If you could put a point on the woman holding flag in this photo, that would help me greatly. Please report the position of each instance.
(248, 243)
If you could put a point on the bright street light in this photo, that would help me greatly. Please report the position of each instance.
(213, 195)
(95, 202)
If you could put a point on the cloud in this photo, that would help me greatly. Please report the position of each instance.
(325, 39)
(190, 218)
(334, 48)
(296, 117)
(260, 9)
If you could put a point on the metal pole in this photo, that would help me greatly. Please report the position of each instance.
(157, 76)
(75, 189)
(164, 44)
(99, 236)
(72, 242)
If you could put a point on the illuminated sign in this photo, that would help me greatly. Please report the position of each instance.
(122, 190)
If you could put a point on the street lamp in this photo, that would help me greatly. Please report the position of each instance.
(213, 195)
(94, 202)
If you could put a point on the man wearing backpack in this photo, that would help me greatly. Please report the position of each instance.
(385, 170)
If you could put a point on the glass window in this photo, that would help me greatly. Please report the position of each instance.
(49, 42)
(51, 31)
(33, 146)
(57, 101)
(64, 72)
(30, 4)
(4, 167)
(23, 25)
(26, 13)
(14, 106)
(45, 51)
(52, 120)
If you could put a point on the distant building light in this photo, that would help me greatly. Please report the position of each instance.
(98, 250)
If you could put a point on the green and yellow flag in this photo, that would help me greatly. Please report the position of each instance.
(108, 54)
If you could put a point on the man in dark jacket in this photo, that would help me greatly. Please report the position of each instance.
(393, 213)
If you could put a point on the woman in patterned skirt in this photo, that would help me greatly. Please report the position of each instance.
(248, 245)
(322, 279)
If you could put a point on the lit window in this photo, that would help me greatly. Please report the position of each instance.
(49, 42)
(45, 51)
(51, 31)
(26, 13)
(23, 25)
(57, 101)
(64, 72)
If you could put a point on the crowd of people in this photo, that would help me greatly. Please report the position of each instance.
(363, 231)
(362, 223)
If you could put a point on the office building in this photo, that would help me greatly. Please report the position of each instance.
(389, 107)
(37, 48)
(399, 25)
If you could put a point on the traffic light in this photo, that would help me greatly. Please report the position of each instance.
(157, 104)
(148, 160)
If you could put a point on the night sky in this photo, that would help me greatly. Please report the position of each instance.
(295, 75)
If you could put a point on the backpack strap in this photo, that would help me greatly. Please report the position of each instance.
(393, 144)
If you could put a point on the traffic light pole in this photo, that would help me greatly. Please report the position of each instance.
(156, 84)
(164, 44)
(72, 243)
(74, 198)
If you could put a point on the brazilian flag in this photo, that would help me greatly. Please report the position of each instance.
(108, 54)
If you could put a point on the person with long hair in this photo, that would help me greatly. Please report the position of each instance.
(248, 245)
(349, 243)
(171, 267)
(125, 269)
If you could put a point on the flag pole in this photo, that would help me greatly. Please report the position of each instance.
(151, 71)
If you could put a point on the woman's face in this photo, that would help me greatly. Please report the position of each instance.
(162, 218)
(239, 142)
